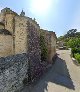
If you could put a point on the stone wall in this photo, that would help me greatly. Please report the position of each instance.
(52, 45)
(1, 26)
(34, 51)
(2, 17)
(5, 45)
(20, 35)
(17, 26)
(13, 70)
(23, 36)
(50, 42)
(9, 22)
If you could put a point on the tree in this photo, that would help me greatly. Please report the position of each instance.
(78, 34)
(71, 33)
(74, 42)
(60, 38)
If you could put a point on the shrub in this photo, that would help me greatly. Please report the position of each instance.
(75, 50)
(78, 50)
(77, 57)
(74, 42)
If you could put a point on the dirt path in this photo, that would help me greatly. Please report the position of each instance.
(64, 76)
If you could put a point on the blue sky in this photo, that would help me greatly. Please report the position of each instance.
(53, 15)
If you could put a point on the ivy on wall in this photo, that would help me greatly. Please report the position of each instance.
(44, 50)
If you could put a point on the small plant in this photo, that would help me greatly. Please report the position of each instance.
(77, 57)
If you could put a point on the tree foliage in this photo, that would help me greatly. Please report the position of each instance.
(74, 42)
(60, 38)
(71, 33)
(77, 57)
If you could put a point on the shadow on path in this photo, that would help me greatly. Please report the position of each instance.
(58, 74)
(61, 74)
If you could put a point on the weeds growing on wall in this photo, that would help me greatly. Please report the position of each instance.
(44, 50)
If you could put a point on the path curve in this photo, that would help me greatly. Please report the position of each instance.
(64, 76)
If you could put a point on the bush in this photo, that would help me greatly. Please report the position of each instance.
(78, 50)
(74, 42)
(75, 50)
(77, 57)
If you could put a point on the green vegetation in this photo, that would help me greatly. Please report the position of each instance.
(77, 57)
(72, 40)
(44, 50)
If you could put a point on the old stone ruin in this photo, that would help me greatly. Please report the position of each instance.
(23, 56)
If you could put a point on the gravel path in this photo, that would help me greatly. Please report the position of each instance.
(64, 76)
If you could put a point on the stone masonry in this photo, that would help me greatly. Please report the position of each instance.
(20, 52)
(17, 26)
(50, 41)
(13, 70)
(25, 40)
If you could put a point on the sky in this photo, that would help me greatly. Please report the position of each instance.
(53, 15)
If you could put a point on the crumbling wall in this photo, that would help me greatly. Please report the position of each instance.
(34, 51)
(13, 70)
(26, 47)
(50, 42)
